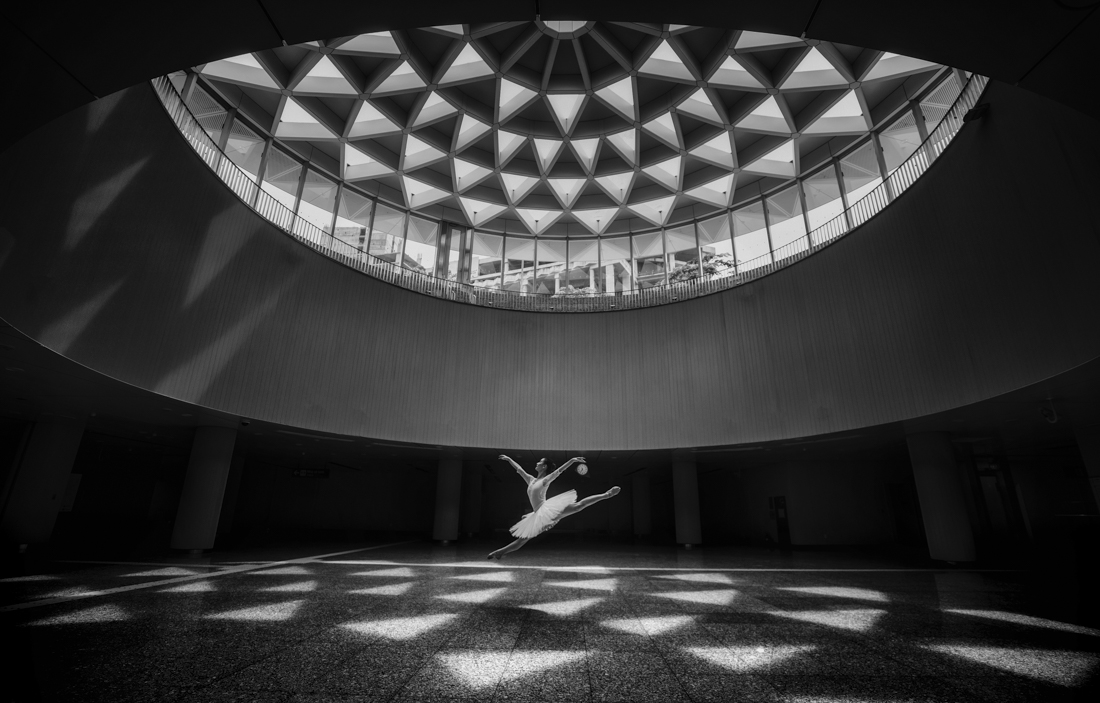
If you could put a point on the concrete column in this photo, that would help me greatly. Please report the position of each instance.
(685, 493)
(38, 488)
(1088, 442)
(643, 511)
(448, 495)
(471, 500)
(942, 503)
(203, 488)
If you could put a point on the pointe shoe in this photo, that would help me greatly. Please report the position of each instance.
(614, 491)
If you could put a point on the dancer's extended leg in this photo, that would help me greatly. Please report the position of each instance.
(510, 548)
(589, 501)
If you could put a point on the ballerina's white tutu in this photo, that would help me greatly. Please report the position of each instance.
(538, 521)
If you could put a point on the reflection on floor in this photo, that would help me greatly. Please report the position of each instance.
(423, 622)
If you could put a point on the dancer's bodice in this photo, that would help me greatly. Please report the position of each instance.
(536, 491)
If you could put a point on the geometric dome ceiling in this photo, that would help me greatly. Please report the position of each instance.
(585, 127)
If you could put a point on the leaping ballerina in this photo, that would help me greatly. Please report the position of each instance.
(546, 513)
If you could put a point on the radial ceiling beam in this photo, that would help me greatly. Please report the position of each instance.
(548, 67)
(585, 78)
(612, 46)
(518, 48)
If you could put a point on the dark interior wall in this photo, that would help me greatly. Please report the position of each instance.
(130, 258)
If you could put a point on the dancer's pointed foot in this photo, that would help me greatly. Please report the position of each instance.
(495, 555)
(614, 491)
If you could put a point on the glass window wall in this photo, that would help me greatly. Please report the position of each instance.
(456, 237)
(281, 178)
(209, 113)
(937, 103)
(519, 264)
(616, 273)
(485, 265)
(387, 239)
(584, 261)
(318, 202)
(245, 148)
(824, 203)
(421, 246)
(860, 172)
(788, 228)
(750, 237)
(716, 246)
(899, 140)
(682, 253)
(649, 260)
(353, 219)
(550, 266)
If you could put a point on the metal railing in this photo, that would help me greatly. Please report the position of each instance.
(246, 188)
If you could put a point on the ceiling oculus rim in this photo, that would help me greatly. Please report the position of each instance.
(567, 127)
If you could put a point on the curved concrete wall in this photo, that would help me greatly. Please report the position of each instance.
(121, 250)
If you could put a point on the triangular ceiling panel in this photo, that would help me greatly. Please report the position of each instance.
(626, 143)
(516, 187)
(814, 71)
(296, 123)
(419, 153)
(890, 65)
(537, 221)
(565, 107)
(370, 122)
(567, 190)
(508, 144)
(240, 69)
(665, 63)
(617, 185)
(763, 40)
(434, 108)
(403, 79)
(326, 79)
(419, 194)
(717, 151)
(513, 98)
(619, 96)
(596, 221)
(778, 162)
(455, 30)
(380, 43)
(547, 151)
(699, 105)
(586, 150)
(467, 66)
(733, 75)
(667, 173)
(664, 129)
(655, 211)
(470, 129)
(358, 166)
(467, 175)
(478, 212)
(717, 193)
(845, 117)
(767, 117)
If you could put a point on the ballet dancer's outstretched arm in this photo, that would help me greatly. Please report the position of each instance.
(527, 478)
(561, 469)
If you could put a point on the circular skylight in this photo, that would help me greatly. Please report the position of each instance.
(571, 128)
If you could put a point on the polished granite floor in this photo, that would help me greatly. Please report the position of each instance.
(555, 622)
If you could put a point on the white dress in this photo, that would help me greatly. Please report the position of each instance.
(546, 515)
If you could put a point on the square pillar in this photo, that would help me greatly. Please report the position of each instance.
(38, 489)
(643, 509)
(200, 503)
(685, 490)
(448, 497)
(942, 502)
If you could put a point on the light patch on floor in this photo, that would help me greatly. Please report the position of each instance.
(482, 596)
(284, 571)
(29, 579)
(271, 612)
(193, 587)
(854, 620)
(1018, 619)
(476, 669)
(840, 592)
(497, 576)
(400, 572)
(564, 608)
(400, 628)
(527, 662)
(580, 569)
(1061, 668)
(590, 584)
(394, 589)
(73, 592)
(698, 578)
(749, 658)
(296, 587)
(99, 614)
(167, 571)
(721, 596)
(649, 626)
